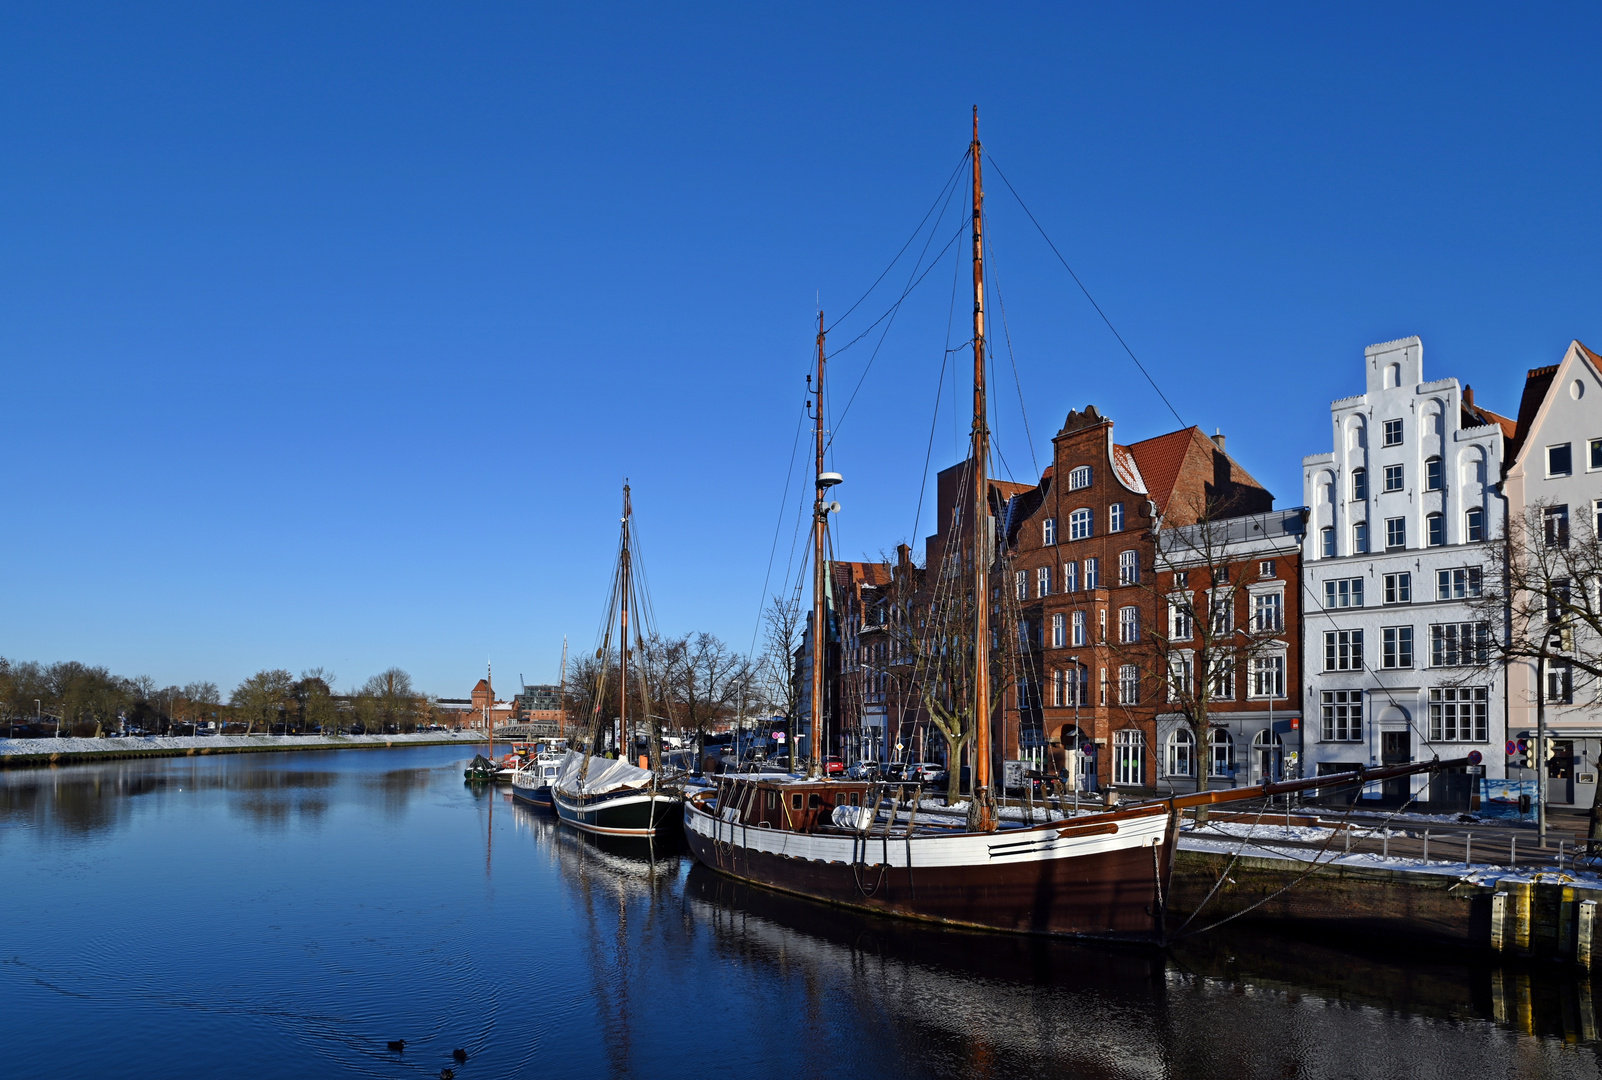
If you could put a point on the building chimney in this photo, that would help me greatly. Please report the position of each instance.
(1468, 396)
(1218, 440)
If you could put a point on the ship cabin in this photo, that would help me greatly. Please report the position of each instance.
(769, 802)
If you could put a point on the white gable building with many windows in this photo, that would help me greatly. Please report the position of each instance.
(1404, 513)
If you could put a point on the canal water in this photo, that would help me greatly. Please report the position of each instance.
(287, 915)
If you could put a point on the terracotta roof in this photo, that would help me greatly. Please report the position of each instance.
(1536, 383)
(482, 684)
(1160, 459)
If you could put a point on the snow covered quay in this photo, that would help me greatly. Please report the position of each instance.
(21, 753)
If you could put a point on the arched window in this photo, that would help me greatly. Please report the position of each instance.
(1079, 478)
(1359, 484)
(1474, 525)
(1268, 756)
(1129, 625)
(1181, 758)
(1432, 474)
(1221, 753)
(1435, 529)
(1129, 685)
(1129, 757)
(1079, 524)
(1326, 537)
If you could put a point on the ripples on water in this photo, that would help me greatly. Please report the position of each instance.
(288, 915)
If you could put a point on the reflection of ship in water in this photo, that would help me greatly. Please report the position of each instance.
(1101, 1009)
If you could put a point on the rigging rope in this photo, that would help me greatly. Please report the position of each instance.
(1086, 291)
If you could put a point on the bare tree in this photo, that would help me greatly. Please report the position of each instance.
(778, 676)
(262, 697)
(708, 681)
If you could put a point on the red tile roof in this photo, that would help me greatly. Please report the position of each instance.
(1161, 458)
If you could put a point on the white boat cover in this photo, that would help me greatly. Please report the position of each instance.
(604, 775)
(856, 818)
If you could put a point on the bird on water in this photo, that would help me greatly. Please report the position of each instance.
(447, 1074)
(397, 1045)
(460, 1055)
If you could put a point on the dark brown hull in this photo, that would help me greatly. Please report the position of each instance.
(1103, 894)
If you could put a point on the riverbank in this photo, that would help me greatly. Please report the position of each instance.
(34, 753)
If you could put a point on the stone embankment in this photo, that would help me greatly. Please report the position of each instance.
(21, 753)
(1537, 913)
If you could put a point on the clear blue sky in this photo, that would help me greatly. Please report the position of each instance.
(329, 333)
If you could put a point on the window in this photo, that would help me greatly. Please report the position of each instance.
(1102, 678)
(1268, 676)
(1396, 647)
(1360, 538)
(1115, 517)
(1221, 753)
(1022, 580)
(1023, 694)
(1268, 612)
(1070, 577)
(1223, 676)
(1059, 630)
(1596, 515)
(1359, 484)
(1343, 592)
(1079, 686)
(1343, 650)
(1395, 533)
(1079, 628)
(1181, 675)
(1221, 575)
(1222, 609)
(1393, 433)
(1555, 525)
(1181, 579)
(1393, 478)
(1461, 583)
(1458, 714)
(1023, 633)
(1079, 524)
(1342, 715)
(1129, 757)
(1399, 588)
(1092, 573)
(1435, 529)
(1432, 474)
(1326, 542)
(1079, 478)
(1181, 753)
(1596, 453)
(1560, 460)
(1474, 526)
(1056, 687)
(1180, 625)
(1129, 568)
(1460, 644)
(1129, 624)
(1129, 685)
(1043, 581)
(1050, 530)
(1265, 568)
(1559, 682)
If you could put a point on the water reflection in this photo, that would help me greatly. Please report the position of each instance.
(298, 912)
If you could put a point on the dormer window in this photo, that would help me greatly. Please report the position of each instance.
(1079, 478)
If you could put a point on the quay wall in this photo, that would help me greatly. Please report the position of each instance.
(38, 753)
(1547, 916)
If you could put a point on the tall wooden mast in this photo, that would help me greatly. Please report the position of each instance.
(984, 815)
(623, 645)
(820, 517)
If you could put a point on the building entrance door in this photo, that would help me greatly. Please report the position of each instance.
(1396, 748)
(1560, 772)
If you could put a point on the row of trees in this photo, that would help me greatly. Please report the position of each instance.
(78, 699)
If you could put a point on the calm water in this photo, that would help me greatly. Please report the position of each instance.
(286, 915)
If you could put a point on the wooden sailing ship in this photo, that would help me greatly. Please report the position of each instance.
(611, 796)
(862, 844)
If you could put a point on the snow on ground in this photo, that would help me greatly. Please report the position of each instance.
(221, 742)
(1478, 874)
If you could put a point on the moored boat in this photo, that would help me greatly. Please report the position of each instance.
(613, 798)
(532, 782)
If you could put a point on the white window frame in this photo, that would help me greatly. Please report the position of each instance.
(1395, 478)
(1080, 635)
(1181, 623)
(1021, 579)
(1129, 624)
(1043, 581)
(1396, 648)
(1459, 714)
(1081, 524)
(1129, 567)
(1220, 754)
(1079, 478)
(1343, 650)
(1179, 756)
(1341, 716)
(1059, 630)
(1389, 429)
(1129, 757)
(1267, 669)
(1093, 572)
(1049, 532)
(1115, 517)
(1181, 675)
(1396, 527)
(1070, 576)
(1271, 602)
(1129, 684)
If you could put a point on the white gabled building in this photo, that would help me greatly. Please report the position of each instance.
(1404, 514)
(1556, 463)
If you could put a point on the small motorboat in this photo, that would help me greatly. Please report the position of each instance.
(532, 783)
(480, 770)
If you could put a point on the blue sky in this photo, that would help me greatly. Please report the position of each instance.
(328, 333)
